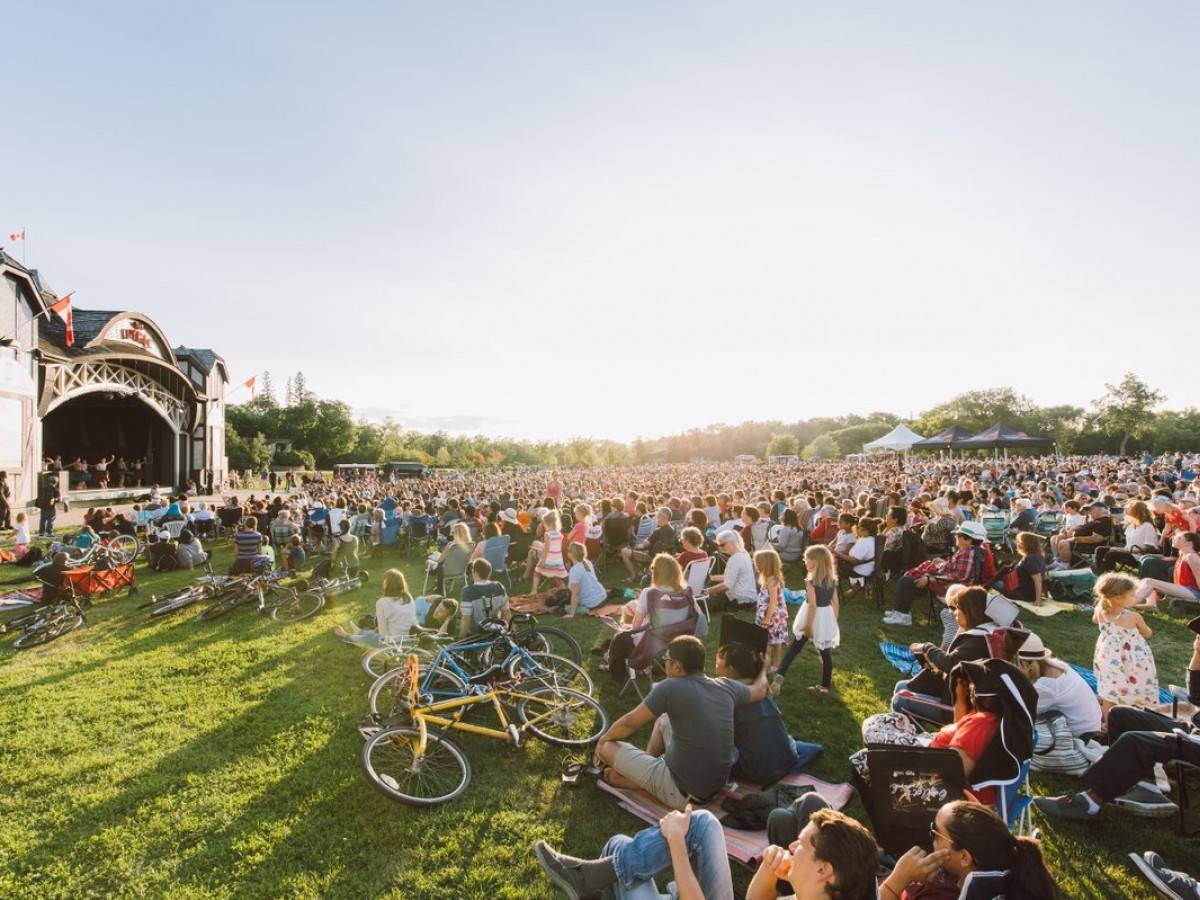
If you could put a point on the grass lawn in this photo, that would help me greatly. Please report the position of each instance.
(188, 759)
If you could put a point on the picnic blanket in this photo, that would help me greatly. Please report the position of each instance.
(900, 657)
(21, 598)
(745, 846)
(528, 603)
(608, 609)
(1048, 607)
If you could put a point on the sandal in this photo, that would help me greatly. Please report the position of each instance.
(819, 688)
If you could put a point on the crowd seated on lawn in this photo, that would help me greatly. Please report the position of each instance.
(720, 508)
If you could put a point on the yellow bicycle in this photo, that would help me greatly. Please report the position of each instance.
(419, 765)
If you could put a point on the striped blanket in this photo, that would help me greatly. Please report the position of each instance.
(745, 846)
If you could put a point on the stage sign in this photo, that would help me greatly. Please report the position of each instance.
(131, 331)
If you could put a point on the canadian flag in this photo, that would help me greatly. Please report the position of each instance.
(63, 308)
(19, 236)
(250, 384)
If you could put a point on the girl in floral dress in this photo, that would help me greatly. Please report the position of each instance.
(550, 564)
(1124, 666)
(772, 611)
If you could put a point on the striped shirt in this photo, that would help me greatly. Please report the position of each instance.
(248, 543)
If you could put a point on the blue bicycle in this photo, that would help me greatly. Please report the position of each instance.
(494, 656)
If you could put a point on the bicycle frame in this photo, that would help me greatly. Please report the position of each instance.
(428, 714)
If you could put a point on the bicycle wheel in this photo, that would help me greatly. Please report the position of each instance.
(123, 549)
(396, 768)
(382, 660)
(34, 637)
(542, 639)
(297, 607)
(219, 607)
(547, 668)
(563, 717)
(389, 694)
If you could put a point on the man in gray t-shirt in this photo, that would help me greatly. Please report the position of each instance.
(691, 748)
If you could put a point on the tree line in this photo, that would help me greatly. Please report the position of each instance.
(324, 432)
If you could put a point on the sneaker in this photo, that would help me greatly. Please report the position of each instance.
(1071, 806)
(564, 871)
(1141, 801)
(890, 616)
(1176, 885)
(1057, 566)
(899, 619)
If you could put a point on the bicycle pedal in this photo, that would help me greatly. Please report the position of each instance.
(514, 734)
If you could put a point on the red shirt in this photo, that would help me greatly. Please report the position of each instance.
(971, 734)
(688, 556)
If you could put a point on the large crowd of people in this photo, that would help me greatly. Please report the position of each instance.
(921, 524)
(927, 525)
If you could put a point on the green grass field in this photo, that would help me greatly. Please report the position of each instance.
(189, 759)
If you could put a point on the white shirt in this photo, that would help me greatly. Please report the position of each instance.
(864, 549)
(739, 578)
(394, 618)
(1143, 535)
(1070, 695)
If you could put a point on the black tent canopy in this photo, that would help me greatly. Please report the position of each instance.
(950, 438)
(1001, 436)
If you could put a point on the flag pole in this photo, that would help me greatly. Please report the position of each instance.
(34, 318)
(24, 246)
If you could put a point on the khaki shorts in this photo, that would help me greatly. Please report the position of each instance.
(650, 773)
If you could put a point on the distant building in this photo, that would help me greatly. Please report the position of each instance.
(119, 390)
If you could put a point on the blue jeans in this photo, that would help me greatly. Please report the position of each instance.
(638, 859)
(923, 706)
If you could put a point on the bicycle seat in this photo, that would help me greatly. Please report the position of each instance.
(524, 618)
(487, 676)
(492, 626)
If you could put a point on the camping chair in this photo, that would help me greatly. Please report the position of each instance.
(616, 538)
(389, 532)
(1187, 776)
(173, 528)
(670, 615)
(995, 523)
(449, 576)
(1048, 523)
(495, 551)
(421, 538)
(696, 576)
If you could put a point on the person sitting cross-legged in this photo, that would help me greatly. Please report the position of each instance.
(691, 747)
(833, 857)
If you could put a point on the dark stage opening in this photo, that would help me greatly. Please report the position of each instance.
(104, 425)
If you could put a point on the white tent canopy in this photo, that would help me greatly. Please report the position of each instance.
(899, 438)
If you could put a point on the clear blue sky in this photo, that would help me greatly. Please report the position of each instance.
(624, 218)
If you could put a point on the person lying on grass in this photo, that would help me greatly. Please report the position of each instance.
(397, 613)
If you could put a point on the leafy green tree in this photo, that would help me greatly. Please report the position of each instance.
(783, 445)
(301, 458)
(823, 447)
(851, 439)
(260, 453)
(442, 457)
(976, 410)
(1127, 408)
